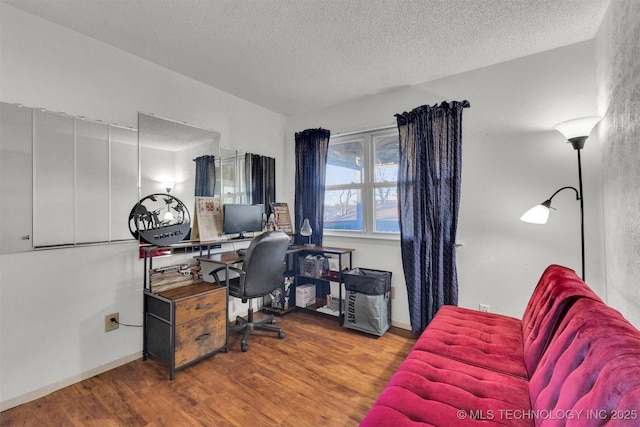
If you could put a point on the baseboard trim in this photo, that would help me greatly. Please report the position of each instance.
(43, 391)
(401, 325)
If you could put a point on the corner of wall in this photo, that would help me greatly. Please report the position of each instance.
(618, 79)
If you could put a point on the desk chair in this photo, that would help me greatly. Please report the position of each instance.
(261, 274)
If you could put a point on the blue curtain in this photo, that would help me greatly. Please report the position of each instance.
(429, 176)
(260, 180)
(312, 146)
(205, 176)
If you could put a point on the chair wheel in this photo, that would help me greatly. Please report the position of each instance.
(244, 347)
(280, 334)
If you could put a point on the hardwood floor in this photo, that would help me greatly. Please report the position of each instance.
(318, 375)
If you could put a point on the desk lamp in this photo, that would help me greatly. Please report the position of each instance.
(306, 231)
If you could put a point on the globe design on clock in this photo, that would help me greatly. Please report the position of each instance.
(159, 219)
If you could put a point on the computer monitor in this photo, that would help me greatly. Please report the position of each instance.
(240, 219)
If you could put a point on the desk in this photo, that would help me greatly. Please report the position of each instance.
(229, 258)
(225, 259)
(147, 252)
(327, 250)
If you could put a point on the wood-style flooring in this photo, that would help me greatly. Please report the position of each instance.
(319, 375)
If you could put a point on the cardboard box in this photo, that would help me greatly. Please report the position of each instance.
(305, 295)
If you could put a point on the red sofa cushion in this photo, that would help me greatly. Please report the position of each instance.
(591, 370)
(482, 339)
(558, 288)
(432, 390)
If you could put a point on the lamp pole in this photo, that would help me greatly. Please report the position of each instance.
(581, 211)
(578, 144)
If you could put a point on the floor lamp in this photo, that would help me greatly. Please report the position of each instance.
(576, 132)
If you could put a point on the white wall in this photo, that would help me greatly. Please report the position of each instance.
(53, 303)
(618, 59)
(512, 160)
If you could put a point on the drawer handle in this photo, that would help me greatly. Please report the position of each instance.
(203, 337)
(202, 307)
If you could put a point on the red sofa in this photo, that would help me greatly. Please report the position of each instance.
(571, 360)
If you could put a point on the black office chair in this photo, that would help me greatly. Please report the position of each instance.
(260, 275)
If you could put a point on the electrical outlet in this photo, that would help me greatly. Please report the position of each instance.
(393, 292)
(109, 325)
(484, 308)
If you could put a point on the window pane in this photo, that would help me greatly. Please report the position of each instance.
(386, 158)
(345, 163)
(386, 210)
(228, 174)
(343, 210)
(241, 186)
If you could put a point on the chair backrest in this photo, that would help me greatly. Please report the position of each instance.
(264, 263)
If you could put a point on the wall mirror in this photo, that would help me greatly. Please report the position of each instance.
(167, 150)
(66, 181)
(16, 208)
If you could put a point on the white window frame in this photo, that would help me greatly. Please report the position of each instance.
(367, 187)
(239, 194)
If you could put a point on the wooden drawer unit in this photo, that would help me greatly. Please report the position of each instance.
(190, 307)
(185, 324)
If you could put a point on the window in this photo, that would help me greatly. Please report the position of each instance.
(231, 178)
(360, 186)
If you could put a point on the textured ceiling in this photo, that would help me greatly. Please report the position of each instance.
(299, 55)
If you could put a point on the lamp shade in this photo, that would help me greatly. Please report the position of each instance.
(305, 230)
(538, 214)
(168, 186)
(575, 128)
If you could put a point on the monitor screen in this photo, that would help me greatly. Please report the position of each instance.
(239, 219)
